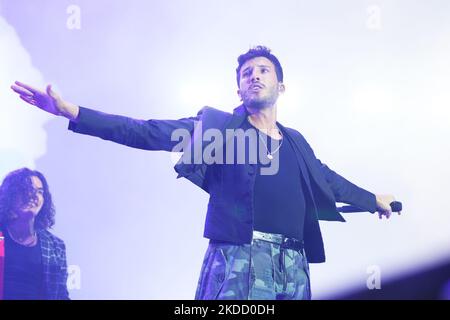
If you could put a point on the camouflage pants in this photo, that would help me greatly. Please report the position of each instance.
(258, 271)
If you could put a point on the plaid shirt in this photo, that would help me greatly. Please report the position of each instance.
(54, 265)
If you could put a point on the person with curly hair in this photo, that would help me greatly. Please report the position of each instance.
(35, 266)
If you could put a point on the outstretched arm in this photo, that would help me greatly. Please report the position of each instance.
(142, 134)
(347, 192)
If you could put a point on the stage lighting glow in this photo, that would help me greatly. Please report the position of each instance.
(17, 149)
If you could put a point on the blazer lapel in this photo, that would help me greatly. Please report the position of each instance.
(192, 165)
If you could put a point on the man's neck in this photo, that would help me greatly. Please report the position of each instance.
(265, 119)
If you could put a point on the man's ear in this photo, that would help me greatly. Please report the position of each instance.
(239, 94)
(281, 87)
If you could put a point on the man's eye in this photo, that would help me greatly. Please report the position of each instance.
(264, 70)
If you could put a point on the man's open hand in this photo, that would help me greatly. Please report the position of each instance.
(47, 100)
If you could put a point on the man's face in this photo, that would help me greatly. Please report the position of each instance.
(36, 199)
(258, 85)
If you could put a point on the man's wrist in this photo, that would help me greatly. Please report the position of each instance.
(71, 111)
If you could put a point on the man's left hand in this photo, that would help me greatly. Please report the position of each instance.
(384, 205)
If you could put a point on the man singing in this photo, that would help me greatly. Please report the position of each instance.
(263, 226)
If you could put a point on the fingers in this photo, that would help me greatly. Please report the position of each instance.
(27, 87)
(385, 213)
(28, 100)
(50, 91)
(21, 91)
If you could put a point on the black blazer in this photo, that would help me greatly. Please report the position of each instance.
(230, 186)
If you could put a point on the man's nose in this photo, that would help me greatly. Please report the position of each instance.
(254, 77)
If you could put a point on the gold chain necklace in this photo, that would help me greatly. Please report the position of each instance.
(270, 154)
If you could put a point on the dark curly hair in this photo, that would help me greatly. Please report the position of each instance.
(259, 51)
(17, 186)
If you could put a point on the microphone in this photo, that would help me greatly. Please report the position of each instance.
(396, 206)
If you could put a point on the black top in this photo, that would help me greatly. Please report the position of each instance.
(23, 276)
(279, 203)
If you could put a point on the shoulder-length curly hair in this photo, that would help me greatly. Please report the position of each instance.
(17, 187)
